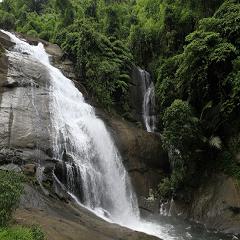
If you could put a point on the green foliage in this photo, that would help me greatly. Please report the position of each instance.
(21, 233)
(229, 166)
(7, 20)
(180, 136)
(43, 26)
(229, 160)
(207, 56)
(207, 71)
(180, 131)
(37, 233)
(206, 75)
(103, 63)
(93, 34)
(166, 85)
(169, 186)
(10, 191)
(162, 26)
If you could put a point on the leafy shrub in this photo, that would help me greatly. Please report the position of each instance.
(7, 20)
(165, 188)
(102, 62)
(21, 233)
(18, 233)
(180, 138)
(10, 190)
(206, 77)
(37, 233)
(180, 131)
(32, 33)
(228, 165)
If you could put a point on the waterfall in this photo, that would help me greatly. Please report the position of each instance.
(148, 90)
(95, 175)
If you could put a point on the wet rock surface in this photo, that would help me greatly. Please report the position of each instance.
(61, 221)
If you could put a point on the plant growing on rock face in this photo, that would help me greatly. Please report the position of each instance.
(21, 233)
(7, 20)
(180, 136)
(102, 62)
(180, 131)
(10, 191)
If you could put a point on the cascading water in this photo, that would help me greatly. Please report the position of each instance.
(148, 90)
(94, 171)
(94, 159)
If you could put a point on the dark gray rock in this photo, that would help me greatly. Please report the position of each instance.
(149, 205)
(25, 126)
(6, 41)
(136, 95)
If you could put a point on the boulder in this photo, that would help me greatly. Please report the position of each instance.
(29, 169)
(6, 41)
(54, 50)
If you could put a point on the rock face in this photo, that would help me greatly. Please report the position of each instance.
(216, 204)
(25, 126)
(136, 97)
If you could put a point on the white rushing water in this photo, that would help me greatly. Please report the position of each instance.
(148, 89)
(95, 173)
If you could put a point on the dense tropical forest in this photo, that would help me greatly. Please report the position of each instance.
(192, 50)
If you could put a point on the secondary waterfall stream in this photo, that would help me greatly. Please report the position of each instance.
(95, 175)
(148, 91)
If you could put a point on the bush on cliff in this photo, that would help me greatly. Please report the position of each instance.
(180, 138)
(7, 20)
(21, 233)
(11, 188)
(206, 75)
(10, 191)
(103, 63)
